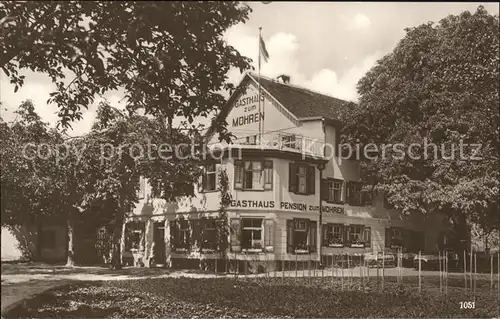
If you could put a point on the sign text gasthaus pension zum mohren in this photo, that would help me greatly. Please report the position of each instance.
(259, 204)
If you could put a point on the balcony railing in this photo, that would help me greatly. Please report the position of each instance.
(283, 142)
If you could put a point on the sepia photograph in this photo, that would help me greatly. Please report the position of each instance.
(249, 159)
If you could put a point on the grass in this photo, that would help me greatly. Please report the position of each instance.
(258, 298)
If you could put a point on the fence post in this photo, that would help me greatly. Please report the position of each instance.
(465, 270)
(295, 268)
(383, 269)
(440, 275)
(491, 273)
(470, 266)
(475, 274)
(332, 269)
(419, 272)
(342, 272)
(378, 271)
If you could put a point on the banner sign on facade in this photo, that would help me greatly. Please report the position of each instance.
(298, 207)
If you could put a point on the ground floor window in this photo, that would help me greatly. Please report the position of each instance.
(301, 235)
(180, 233)
(252, 234)
(333, 235)
(209, 234)
(134, 235)
(394, 237)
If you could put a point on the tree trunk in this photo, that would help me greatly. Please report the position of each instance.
(116, 258)
(70, 262)
(39, 240)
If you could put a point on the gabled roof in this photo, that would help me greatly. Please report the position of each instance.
(301, 102)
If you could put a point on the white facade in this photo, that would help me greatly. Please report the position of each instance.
(261, 195)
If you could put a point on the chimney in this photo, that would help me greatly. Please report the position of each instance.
(285, 78)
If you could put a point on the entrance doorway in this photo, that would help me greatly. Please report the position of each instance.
(159, 243)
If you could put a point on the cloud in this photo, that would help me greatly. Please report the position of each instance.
(359, 22)
(284, 58)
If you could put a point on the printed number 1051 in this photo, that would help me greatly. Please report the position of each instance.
(467, 304)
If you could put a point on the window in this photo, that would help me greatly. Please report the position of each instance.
(251, 237)
(301, 179)
(354, 194)
(48, 238)
(183, 239)
(291, 141)
(252, 234)
(180, 234)
(134, 236)
(253, 175)
(301, 236)
(251, 140)
(334, 187)
(394, 237)
(333, 235)
(141, 193)
(209, 178)
(357, 235)
(209, 234)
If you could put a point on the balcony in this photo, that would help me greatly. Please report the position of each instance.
(289, 142)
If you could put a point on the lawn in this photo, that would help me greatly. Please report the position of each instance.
(258, 298)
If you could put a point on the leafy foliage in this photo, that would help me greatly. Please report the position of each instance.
(258, 298)
(440, 86)
(169, 57)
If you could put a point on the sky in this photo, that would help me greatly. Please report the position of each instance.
(323, 46)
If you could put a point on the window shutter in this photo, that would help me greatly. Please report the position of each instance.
(311, 179)
(347, 234)
(174, 234)
(238, 174)
(324, 190)
(268, 174)
(235, 235)
(367, 233)
(324, 229)
(269, 234)
(292, 178)
(289, 236)
(388, 237)
(196, 229)
(313, 231)
(348, 192)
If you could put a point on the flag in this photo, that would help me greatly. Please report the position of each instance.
(263, 50)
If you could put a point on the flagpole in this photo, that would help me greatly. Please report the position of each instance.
(260, 124)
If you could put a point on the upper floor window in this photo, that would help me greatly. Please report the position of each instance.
(209, 178)
(253, 175)
(333, 190)
(354, 195)
(301, 179)
(291, 141)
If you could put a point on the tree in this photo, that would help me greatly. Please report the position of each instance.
(440, 86)
(169, 57)
(27, 176)
(122, 148)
